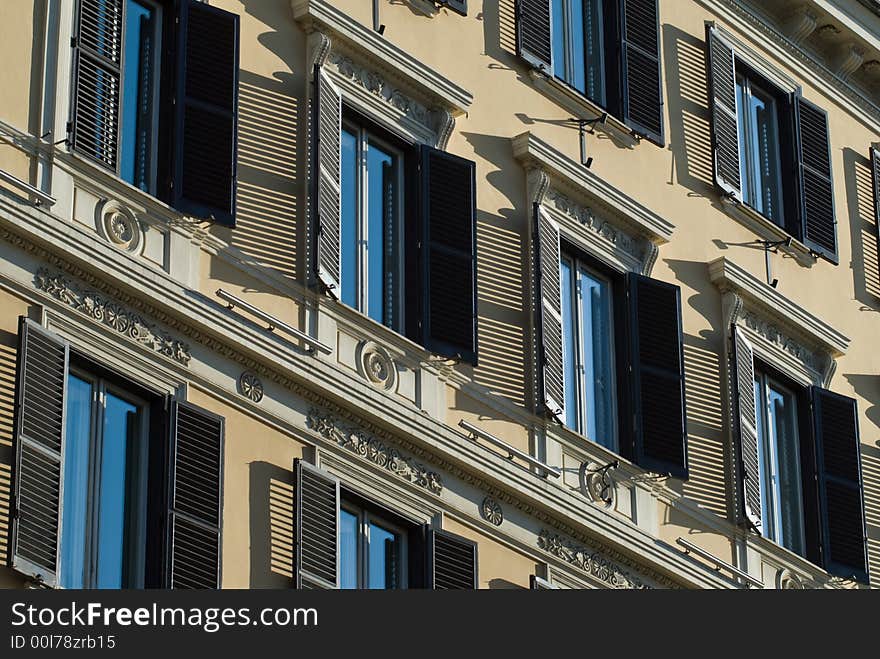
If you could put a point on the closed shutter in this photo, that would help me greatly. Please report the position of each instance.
(548, 260)
(875, 174)
(452, 561)
(317, 527)
(449, 323)
(96, 83)
(206, 112)
(196, 497)
(657, 369)
(39, 446)
(743, 382)
(458, 6)
(725, 126)
(642, 86)
(817, 191)
(533, 37)
(841, 500)
(326, 185)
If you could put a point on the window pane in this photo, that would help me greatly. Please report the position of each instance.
(558, 31)
(577, 76)
(379, 164)
(598, 371)
(138, 112)
(595, 50)
(349, 219)
(76, 481)
(569, 346)
(348, 550)
(384, 565)
(117, 507)
(768, 186)
(741, 114)
(786, 470)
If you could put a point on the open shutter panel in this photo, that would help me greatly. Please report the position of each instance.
(743, 382)
(725, 126)
(643, 89)
(449, 324)
(96, 64)
(452, 561)
(39, 446)
(875, 173)
(656, 361)
(327, 168)
(840, 484)
(533, 37)
(458, 6)
(206, 113)
(317, 527)
(817, 192)
(196, 497)
(549, 320)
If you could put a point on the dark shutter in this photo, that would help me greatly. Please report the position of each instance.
(657, 369)
(206, 109)
(449, 323)
(817, 191)
(725, 125)
(96, 64)
(549, 314)
(841, 501)
(196, 497)
(640, 65)
(875, 175)
(458, 6)
(533, 38)
(41, 385)
(452, 561)
(743, 382)
(317, 527)
(326, 184)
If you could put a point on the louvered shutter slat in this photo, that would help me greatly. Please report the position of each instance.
(818, 222)
(643, 89)
(874, 155)
(534, 41)
(39, 445)
(316, 530)
(452, 561)
(327, 184)
(549, 313)
(744, 384)
(841, 498)
(725, 125)
(206, 113)
(449, 323)
(657, 368)
(195, 507)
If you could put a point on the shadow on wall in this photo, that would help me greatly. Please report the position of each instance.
(271, 526)
(7, 398)
(865, 263)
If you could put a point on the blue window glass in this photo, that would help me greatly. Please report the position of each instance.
(578, 46)
(384, 560)
(349, 215)
(569, 346)
(348, 549)
(139, 76)
(379, 171)
(371, 552)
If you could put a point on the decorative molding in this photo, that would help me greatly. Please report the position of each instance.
(118, 225)
(537, 184)
(590, 561)
(800, 24)
(376, 365)
(444, 124)
(112, 314)
(788, 580)
(781, 340)
(373, 449)
(596, 484)
(491, 511)
(319, 45)
(848, 60)
(250, 386)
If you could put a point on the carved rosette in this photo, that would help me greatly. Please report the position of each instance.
(788, 580)
(596, 484)
(118, 225)
(250, 386)
(376, 365)
(491, 511)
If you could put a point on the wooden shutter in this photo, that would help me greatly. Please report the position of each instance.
(206, 112)
(657, 369)
(874, 154)
(743, 383)
(841, 499)
(97, 54)
(317, 527)
(449, 322)
(814, 167)
(196, 497)
(452, 561)
(327, 182)
(548, 259)
(725, 125)
(534, 41)
(41, 385)
(640, 65)
(458, 6)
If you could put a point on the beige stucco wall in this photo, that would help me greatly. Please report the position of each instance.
(498, 566)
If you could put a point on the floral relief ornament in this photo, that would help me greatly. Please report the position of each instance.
(589, 561)
(491, 511)
(250, 386)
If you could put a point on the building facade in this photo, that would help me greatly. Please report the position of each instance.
(460, 294)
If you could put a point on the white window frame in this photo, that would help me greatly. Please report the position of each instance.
(364, 518)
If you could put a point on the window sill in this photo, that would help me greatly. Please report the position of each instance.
(767, 230)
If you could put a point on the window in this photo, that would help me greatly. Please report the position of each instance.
(105, 478)
(371, 233)
(578, 46)
(779, 463)
(588, 348)
(372, 551)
